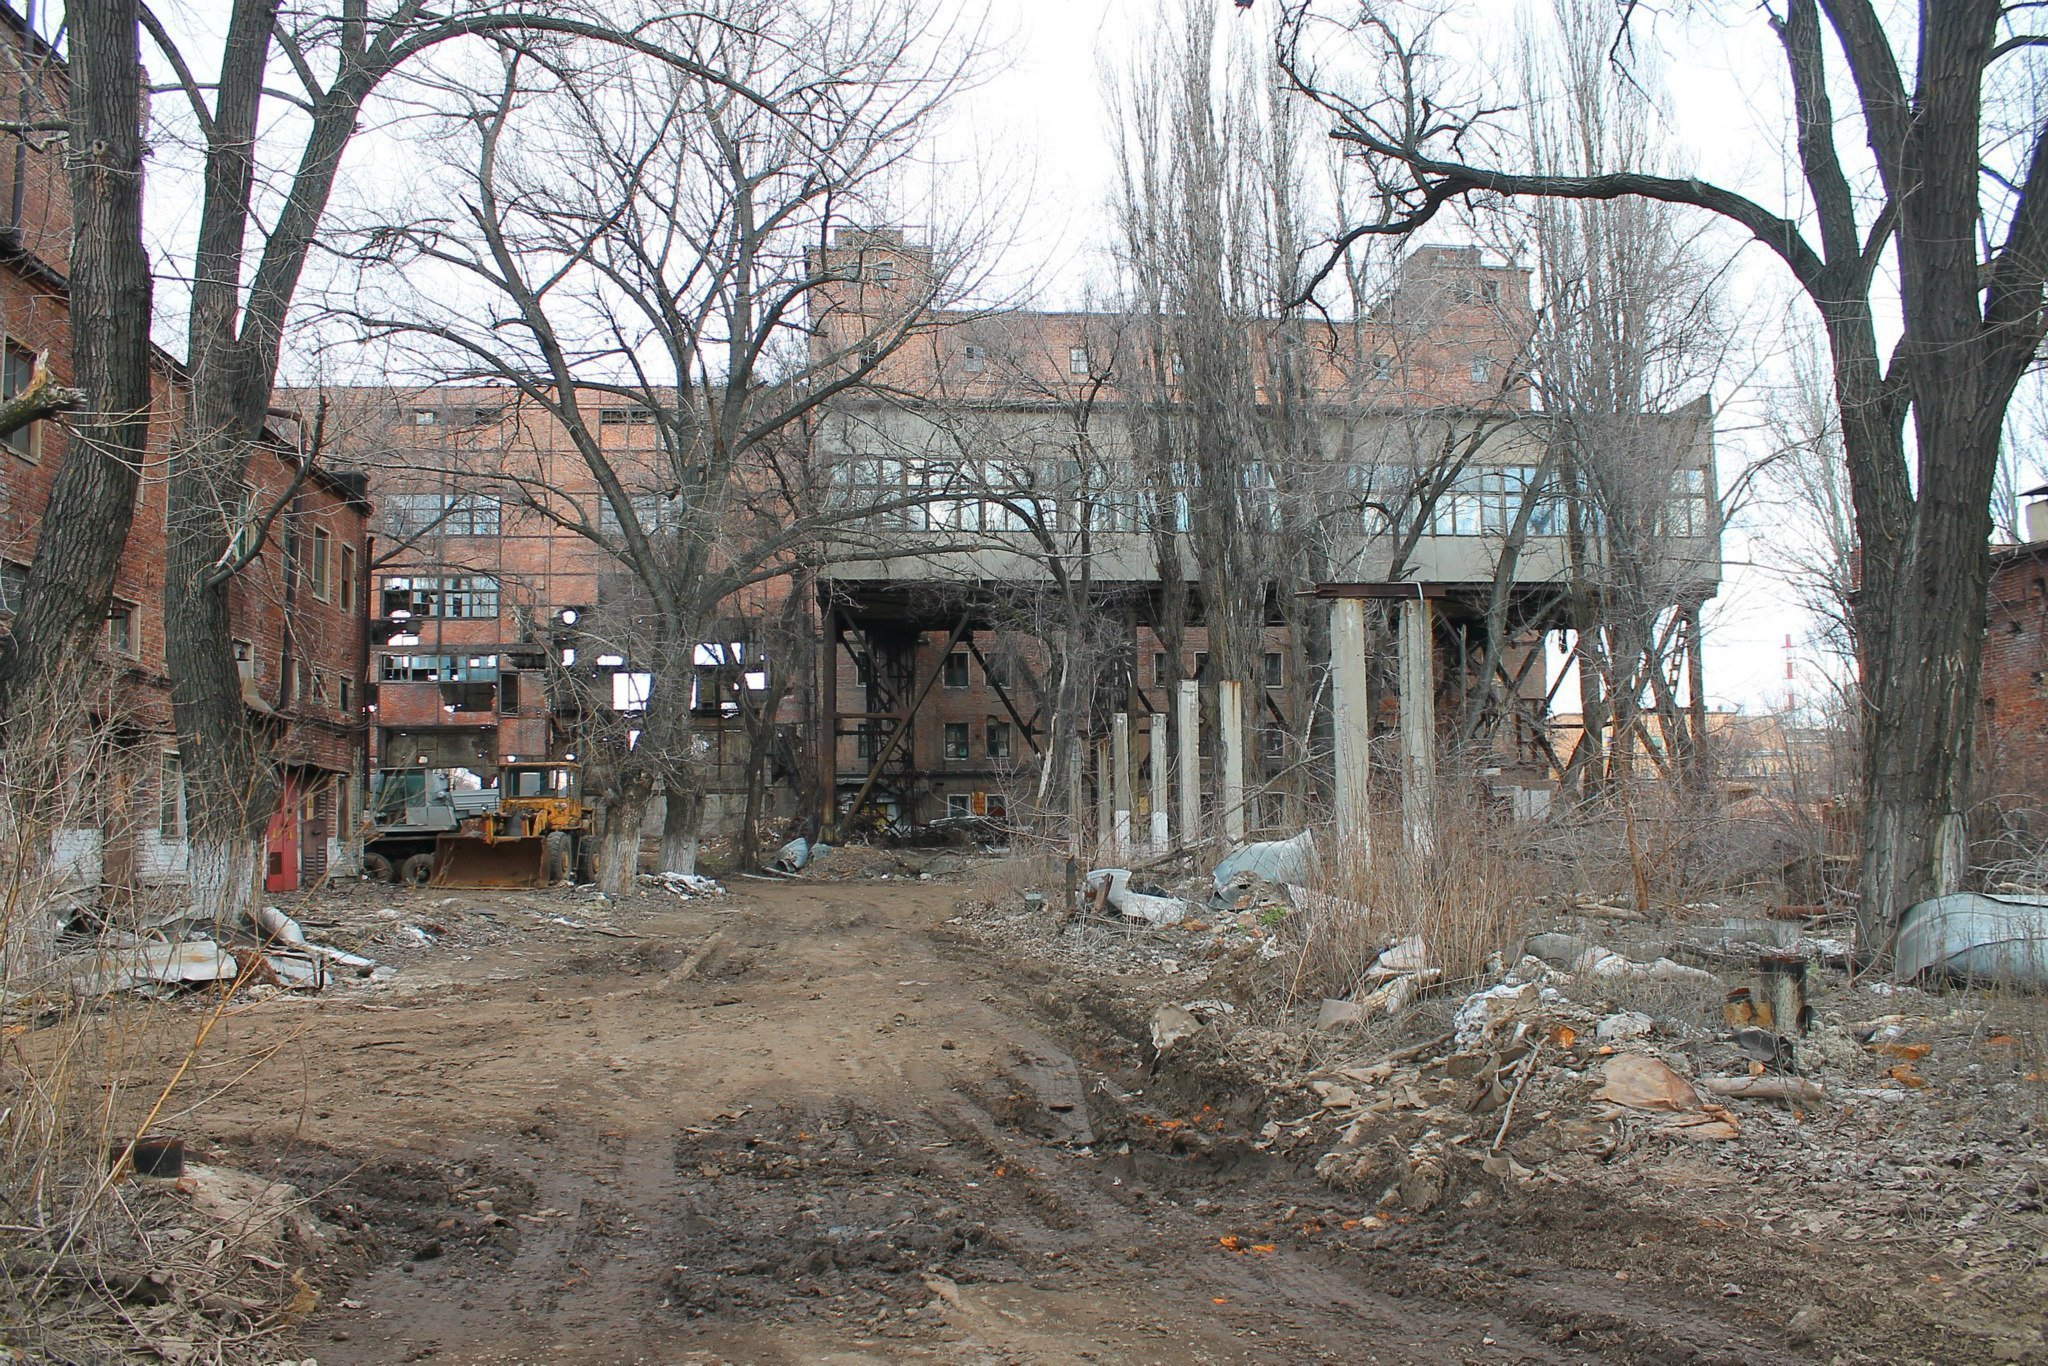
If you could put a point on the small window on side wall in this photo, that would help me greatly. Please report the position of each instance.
(17, 373)
(345, 581)
(121, 629)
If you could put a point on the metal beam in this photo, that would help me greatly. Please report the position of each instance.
(896, 736)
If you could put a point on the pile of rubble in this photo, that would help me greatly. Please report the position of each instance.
(1609, 1043)
(269, 951)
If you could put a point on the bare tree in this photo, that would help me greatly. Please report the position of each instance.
(92, 499)
(646, 240)
(249, 254)
(1952, 161)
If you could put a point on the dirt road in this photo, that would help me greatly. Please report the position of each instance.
(850, 1135)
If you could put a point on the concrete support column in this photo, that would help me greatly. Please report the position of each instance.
(1120, 759)
(1105, 811)
(1418, 724)
(1351, 715)
(1162, 839)
(1230, 758)
(1188, 733)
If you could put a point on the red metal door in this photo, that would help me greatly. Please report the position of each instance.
(281, 843)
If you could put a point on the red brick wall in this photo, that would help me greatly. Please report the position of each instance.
(2012, 736)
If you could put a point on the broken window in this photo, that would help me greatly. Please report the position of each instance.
(13, 582)
(437, 668)
(1276, 669)
(959, 804)
(956, 740)
(170, 790)
(999, 739)
(1690, 512)
(654, 513)
(345, 581)
(121, 628)
(405, 515)
(17, 373)
(973, 357)
(448, 597)
(469, 697)
(1077, 360)
(629, 691)
(1485, 502)
(1382, 366)
(956, 669)
(508, 694)
(245, 660)
(625, 417)
(1482, 370)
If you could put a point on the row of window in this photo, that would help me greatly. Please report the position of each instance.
(406, 516)
(956, 741)
(932, 495)
(974, 360)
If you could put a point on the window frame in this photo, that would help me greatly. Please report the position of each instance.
(1077, 361)
(128, 644)
(956, 741)
(319, 567)
(24, 442)
(171, 808)
(345, 577)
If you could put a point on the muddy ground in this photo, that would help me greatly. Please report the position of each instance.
(859, 1129)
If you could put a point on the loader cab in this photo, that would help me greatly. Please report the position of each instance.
(533, 782)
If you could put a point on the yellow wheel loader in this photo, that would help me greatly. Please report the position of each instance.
(446, 828)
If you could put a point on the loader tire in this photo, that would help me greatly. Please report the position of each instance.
(415, 871)
(559, 857)
(377, 868)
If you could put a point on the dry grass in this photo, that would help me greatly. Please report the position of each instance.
(96, 1265)
(1468, 898)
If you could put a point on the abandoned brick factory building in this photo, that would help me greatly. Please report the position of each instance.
(1025, 568)
(297, 608)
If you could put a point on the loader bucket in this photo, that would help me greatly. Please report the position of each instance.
(461, 861)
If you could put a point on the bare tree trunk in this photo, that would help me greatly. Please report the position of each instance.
(618, 845)
(85, 524)
(682, 828)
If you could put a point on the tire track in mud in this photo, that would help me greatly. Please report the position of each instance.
(883, 1144)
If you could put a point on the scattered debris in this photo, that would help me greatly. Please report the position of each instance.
(1605, 962)
(1485, 1011)
(1623, 1026)
(792, 857)
(1276, 861)
(1113, 886)
(686, 885)
(1642, 1082)
(1171, 1024)
(1797, 1089)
